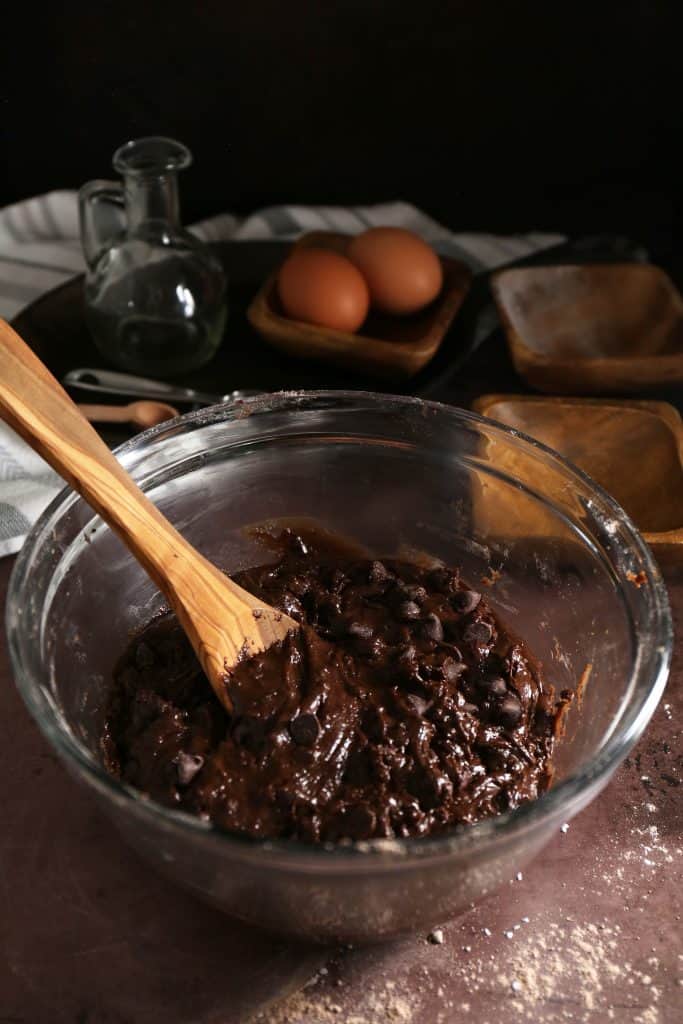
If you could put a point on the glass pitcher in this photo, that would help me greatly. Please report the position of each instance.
(155, 296)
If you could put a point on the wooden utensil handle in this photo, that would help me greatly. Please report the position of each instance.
(222, 620)
(31, 401)
(104, 413)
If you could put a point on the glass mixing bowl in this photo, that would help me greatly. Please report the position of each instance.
(566, 570)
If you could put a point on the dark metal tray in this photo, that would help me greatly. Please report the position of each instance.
(54, 326)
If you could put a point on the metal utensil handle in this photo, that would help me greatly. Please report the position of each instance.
(110, 382)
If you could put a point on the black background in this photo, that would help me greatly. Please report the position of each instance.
(491, 116)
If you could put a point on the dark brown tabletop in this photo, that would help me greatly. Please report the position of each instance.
(90, 935)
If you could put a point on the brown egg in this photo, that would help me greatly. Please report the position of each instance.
(321, 287)
(402, 272)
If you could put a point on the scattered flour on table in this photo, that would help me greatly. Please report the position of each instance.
(576, 964)
(377, 1006)
(578, 969)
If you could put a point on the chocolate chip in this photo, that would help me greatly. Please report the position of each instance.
(359, 768)
(298, 585)
(407, 664)
(359, 822)
(129, 678)
(328, 611)
(337, 581)
(249, 732)
(452, 629)
(494, 758)
(465, 601)
(331, 619)
(470, 691)
(291, 605)
(478, 633)
(442, 580)
(144, 656)
(309, 605)
(364, 640)
(509, 711)
(494, 686)
(430, 788)
(406, 654)
(187, 766)
(471, 709)
(360, 631)
(432, 628)
(304, 729)
(374, 725)
(408, 611)
(376, 648)
(497, 666)
(414, 592)
(451, 670)
(284, 800)
(418, 704)
(502, 801)
(378, 573)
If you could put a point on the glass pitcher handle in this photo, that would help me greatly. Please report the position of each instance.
(102, 216)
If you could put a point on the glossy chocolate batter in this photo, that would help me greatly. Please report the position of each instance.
(402, 708)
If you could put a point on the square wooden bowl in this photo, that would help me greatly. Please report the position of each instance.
(388, 347)
(592, 329)
(634, 449)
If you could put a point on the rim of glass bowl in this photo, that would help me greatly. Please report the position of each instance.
(648, 677)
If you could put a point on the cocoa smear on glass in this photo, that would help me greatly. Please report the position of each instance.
(401, 708)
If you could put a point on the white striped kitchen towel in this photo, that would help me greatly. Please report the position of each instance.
(40, 249)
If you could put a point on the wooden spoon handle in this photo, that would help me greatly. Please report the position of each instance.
(217, 615)
(39, 409)
(105, 413)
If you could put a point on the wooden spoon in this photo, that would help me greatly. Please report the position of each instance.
(142, 414)
(223, 622)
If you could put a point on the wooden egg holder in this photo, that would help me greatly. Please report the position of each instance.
(388, 347)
